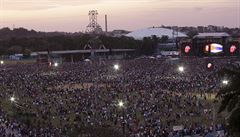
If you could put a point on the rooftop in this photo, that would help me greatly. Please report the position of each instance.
(215, 34)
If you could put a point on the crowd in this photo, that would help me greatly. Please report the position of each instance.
(157, 100)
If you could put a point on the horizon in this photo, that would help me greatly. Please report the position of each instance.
(29, 29)
(51, 15)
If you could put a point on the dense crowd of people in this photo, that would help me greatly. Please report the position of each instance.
(143, 98)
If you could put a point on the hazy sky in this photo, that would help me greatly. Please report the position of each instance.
(72, 15)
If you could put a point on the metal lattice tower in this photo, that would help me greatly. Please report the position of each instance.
(93, 26)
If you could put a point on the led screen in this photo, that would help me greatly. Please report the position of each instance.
(187, 49)
(216, 48)
(233, 48)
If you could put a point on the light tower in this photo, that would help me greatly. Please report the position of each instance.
(93, 26)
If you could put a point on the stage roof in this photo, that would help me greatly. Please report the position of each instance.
(214, 35)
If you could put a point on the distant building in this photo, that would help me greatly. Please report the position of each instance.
(167, 49)
(16, 57)
(167, 46)
(78, 55)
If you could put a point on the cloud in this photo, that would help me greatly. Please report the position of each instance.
(42, 4)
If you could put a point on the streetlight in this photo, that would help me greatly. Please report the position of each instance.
(225, 82)
(116, 67)
(209, 65)
(181, 68)
(12, 99)
(16, 104)
(120, 104)
(1, 62)
(55, 64)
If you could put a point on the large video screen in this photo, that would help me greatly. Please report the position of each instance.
(214, 48)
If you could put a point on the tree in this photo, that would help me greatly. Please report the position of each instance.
(164, 39)
(15, 49)
(148, 46)
(27, 52)
(230, 95)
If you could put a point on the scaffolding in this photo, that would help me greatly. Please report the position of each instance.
(93, 26)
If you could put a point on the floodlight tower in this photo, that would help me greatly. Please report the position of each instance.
(93, 26)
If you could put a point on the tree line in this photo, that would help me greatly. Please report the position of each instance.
(26, 45)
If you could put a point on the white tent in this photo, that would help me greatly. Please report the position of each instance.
(159, 32)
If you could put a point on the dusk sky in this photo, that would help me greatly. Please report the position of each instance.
(72, 15)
